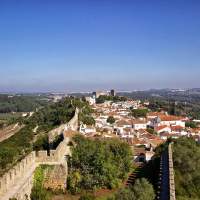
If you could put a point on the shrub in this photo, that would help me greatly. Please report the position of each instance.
(98, 163)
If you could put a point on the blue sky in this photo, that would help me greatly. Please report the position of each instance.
(83, 45)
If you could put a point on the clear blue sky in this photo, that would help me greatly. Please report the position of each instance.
(81, 45)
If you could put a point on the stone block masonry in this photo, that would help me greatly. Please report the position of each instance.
(55, 156)
(19, 178)
(172, 191)
(71, 125)
(18, 181)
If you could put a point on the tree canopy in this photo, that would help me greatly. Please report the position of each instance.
(191, 124)
(186, 157)
(139, 112)
(141, 190)
(111, 120)
(85, 115)
(97, 164)
(21, 103)
(46, 118)
(103, 98)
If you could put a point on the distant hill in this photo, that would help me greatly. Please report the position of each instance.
(182, 95)
(21, 102)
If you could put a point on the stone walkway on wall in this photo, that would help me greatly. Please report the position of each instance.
(167, 187)
(165, 177)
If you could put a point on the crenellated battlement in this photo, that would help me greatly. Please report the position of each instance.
(8, 180)
(171, 174)
(18, 181)
(72, 125)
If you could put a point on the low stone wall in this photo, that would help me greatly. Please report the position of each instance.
(55, 179)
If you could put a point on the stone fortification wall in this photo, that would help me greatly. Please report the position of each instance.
(18, 181)
(166, 184)
(171, 174)
(71, 125)
(55, 156)
(24, 191)
(9, 181)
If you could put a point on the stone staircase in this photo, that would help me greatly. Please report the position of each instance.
(132, 177)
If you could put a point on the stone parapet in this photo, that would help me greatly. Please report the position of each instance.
(14, 175)
(172, 191)
(71, 125)
(166, 184)
(18, 181)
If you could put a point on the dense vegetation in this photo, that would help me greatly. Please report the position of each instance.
(38, 191)
(20, 103)
(16, 147)
(98, 164)
(141, 190)
(111, 120)
(102, 99)
(191, 124)
(186, 156)
(85, 111)
(52, 115)
(139, 112)
(9, 118)
(174, 102)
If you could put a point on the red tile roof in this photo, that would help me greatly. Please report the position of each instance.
(176, 128)
(171, 118)
(159, 128)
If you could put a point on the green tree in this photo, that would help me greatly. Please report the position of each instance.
(100, 163)
(87, 197)
(124, 194)
(74, 181)
(42, 143)
(38, 192)
(186, 157)
(111, 120)
(191, 124)
(139, 113)
(86, 119)
(46, 118)
(141, 190)
(104, 98)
